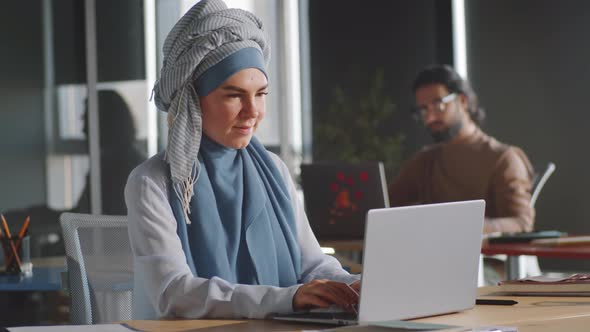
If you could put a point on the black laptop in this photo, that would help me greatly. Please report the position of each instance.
(338, 195)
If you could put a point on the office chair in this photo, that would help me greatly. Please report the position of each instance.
(100, 267)
(528, 265)
(541, 176)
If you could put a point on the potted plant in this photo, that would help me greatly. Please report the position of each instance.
(356, 128)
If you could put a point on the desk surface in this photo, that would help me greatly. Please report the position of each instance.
(537, 314)
(530, 314)
(44, 278)
(516, 249)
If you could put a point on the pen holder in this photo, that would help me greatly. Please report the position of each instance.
(19, 264)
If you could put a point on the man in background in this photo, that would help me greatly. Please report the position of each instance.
(464, 163)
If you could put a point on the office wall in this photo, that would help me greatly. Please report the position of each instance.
(21, 112)
(22, 118)
(119, 40)
(529, 62)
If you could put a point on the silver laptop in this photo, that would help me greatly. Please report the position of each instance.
(418, 261)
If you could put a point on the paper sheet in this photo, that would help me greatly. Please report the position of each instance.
(72, 328)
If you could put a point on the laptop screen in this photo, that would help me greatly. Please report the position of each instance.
(338, 196)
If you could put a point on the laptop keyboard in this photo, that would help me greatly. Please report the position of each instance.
(332, 315)
(323, 315)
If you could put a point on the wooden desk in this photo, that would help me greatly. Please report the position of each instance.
(514, 250)
(531, 314)
(517, 249)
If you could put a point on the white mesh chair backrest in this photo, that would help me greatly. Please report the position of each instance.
(100, 267)
(541, 176)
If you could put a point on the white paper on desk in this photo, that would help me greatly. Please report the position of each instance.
(494, 329)
(411, 326)
(543, 278)
(72, 328)
(396, 326)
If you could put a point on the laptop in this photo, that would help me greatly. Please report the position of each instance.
(338, 195)
(418, 261)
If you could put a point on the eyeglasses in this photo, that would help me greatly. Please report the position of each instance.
(438, 105)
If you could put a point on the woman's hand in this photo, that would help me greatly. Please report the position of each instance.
(324, 293)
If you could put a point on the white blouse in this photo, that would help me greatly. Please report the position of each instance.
(164, 286)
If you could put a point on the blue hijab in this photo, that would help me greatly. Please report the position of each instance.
(242, 222)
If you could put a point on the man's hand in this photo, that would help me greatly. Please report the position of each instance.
(324, 293)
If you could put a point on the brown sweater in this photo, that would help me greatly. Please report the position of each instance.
(479, 167)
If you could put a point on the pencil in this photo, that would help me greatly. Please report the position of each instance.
(23, 229)
(13, 249)
(495, 302)
(21, 234)
(4, 247)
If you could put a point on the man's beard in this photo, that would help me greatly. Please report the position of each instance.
(447, 133)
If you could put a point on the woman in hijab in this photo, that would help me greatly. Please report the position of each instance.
(215, 225)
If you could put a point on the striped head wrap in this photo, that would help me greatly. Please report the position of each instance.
(202, 39)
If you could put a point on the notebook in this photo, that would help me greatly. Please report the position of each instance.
(338, 195)
(418, 261)
(523, 237)
(572, 285)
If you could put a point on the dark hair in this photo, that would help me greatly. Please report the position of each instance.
(447, 76)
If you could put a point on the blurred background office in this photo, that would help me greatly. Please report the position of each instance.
(526, 59)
